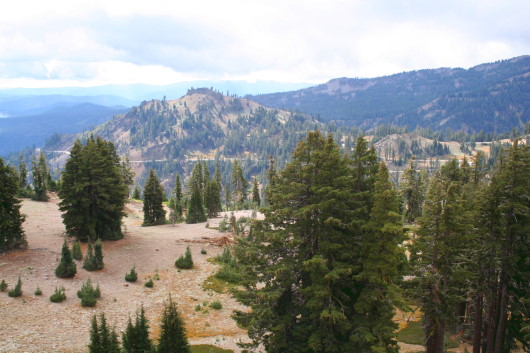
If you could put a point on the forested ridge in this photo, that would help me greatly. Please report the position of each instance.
(490, 97)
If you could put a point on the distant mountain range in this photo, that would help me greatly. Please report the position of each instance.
(33, 130)
(490, 97)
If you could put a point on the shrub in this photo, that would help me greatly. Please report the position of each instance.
(198, 307)
(88, 294)
(77, 254)
(17, 291)
(94, 257)
(216, 305)
(131, 276)
(224, 225)
(38, 291)
(66, 268)
(3, 286)
(149, 283)
(58, 296)
(203, 252)
(185, 262)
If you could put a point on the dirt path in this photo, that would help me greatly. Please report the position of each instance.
(34, 324)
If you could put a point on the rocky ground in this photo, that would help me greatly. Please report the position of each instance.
(33, 324)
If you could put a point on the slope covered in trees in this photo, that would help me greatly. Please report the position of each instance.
(490, 97)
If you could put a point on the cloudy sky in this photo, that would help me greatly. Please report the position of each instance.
(84, 43)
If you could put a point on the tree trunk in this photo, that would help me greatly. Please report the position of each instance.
(435, 331)
(477, 329)
(501, 326)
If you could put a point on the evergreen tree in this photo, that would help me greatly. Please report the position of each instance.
(98, 254)
(11, 232)
(300, 267)
(442, 242)
(176, 201)
(136, 194)
(172, 333)
(239, 185)
(502, 283)
(93, 191)
(17, 290)
(381, 258)
(22, 173)
(136, 336)
(40, 177)
(154, 212)
(102, 338)
(76, 251)
(256, 199)
(212, 198)
(195, 210)
(67, 267)
(412, 188)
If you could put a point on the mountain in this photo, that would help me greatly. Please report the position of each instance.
(169, 135)
(19, 132)
(25, 105)
(489, 97)
(139, 92)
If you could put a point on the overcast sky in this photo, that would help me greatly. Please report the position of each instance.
(54, 43)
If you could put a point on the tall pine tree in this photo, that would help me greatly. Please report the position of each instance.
(11, 233)
(172, 333)
(154, 212)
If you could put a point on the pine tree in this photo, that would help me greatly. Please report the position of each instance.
(502, 281)
(136, 194)
(442, 242)
(298, 265)
(172, 333)
(102, 338)
(93, 191)
(136, 337)
(17, 290)
(239, 185)
(40, 178)
(381, 257)
(77, 254)
(98, 254)
(256, 199)
(412, 188)
(195, 210)
(212, 198)
(176, 201)
(66, 267)
(11, 232)
(154, 212)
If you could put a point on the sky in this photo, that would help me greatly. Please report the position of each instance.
(57, 43)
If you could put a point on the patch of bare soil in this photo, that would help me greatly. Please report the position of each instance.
(34, 324)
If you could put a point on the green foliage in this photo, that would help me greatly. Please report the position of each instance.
(203, 252)
(94, 257)
(195, 210)
(38, 291)
(239, 185)
(256, 198)
(66, 267)
(40, 178)
(229, 271)
(412, 187)
(224, 225)
(58, 296)
(149, 283)
(11, 231)
(88, 294)
(154, 213)
(176, 202)
(3, 286)
(17, 290)
(301, 268)
(216, 305)
(102, 338)
(93, 191)
(136, 193)
(172, 333)
(185, 262)
(77, 254)
(132, 276)
(207, 348)
(136, 336)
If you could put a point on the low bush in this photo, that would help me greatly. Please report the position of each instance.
(38, 291)
(17, 291)
(59, 295)
(149, 283)
(131, 276)
(88, 294)
(185, 262)
(3, 286)
(216, 305)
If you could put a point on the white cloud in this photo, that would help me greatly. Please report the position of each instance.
(109, 41)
